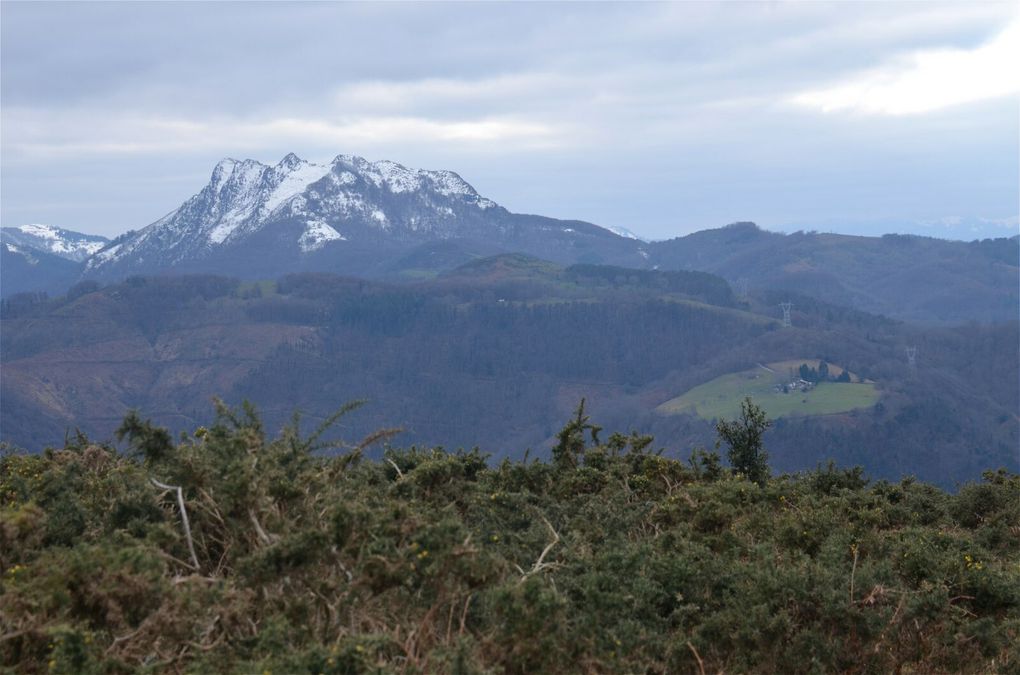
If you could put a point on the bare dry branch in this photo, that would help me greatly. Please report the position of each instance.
(540, 564)
(400, 474)
(263, 536)
(184, 518)
(701, 664)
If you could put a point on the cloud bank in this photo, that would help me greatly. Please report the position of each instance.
(661, 118)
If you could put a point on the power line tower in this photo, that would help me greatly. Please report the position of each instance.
(742, 288)
(787, 306)
(912, 356)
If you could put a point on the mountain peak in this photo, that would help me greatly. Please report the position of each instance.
(253, 217)
(302, 207)
(291, 161)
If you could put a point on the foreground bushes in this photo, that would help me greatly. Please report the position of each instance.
(609, 559)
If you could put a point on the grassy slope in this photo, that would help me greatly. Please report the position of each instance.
(721, 397)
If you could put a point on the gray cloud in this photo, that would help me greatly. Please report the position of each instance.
(658, 117)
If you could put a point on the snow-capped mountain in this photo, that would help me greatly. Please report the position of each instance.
(67, 244)
(345, 216)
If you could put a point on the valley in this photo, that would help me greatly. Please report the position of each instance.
(497, 353)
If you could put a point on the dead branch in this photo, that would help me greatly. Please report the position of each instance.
(540, 564)
(184, 519)
(376, 436)
(263, 537)
(400, 474)
(853, 572)
(701, 664)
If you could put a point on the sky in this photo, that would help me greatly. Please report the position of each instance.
(856, 117)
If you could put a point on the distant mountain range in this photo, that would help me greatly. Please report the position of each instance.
(382, 220)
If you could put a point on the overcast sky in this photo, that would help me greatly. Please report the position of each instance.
(858, 117)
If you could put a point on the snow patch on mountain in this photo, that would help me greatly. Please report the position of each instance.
(74, 246)
(396, 177)
(623, 232)
(11, 248)
(39, 230)
(316, 235)
(294, 183)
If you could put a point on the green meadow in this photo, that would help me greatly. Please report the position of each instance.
(721, 397)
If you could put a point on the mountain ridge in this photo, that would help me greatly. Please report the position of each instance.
(382, 220)
(67, 244)
(298, 209)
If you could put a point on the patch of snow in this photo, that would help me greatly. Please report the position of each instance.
(29, 258)
(92, 246)
(643, 253)
(64, 243)
(568, 229)
(238, 193)
(622, 231)
(223, 229)
(294, 182)
(447, 183)
(222, 172)
(398, 178)
(344, 178)
(39, 230)
(316, 235)
(361, 167)
(344, 202)
(379, 216)
(102, 257)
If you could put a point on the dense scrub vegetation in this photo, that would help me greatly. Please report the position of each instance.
(228, 551)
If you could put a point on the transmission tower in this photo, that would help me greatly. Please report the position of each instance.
(742, 288)
(912, 356)
(787, 306)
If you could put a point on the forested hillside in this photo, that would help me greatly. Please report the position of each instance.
(911, 278)
(494, 355)
(232, 551)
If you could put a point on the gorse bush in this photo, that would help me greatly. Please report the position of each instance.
(229, 551)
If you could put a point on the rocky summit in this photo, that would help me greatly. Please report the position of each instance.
(252, 217)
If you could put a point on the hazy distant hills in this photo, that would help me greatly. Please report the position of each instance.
(381, 220)
(44, 258)
(907, 277)
(29, 270)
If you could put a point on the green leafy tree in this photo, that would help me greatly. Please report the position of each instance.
(745, 437)
(570, 445)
